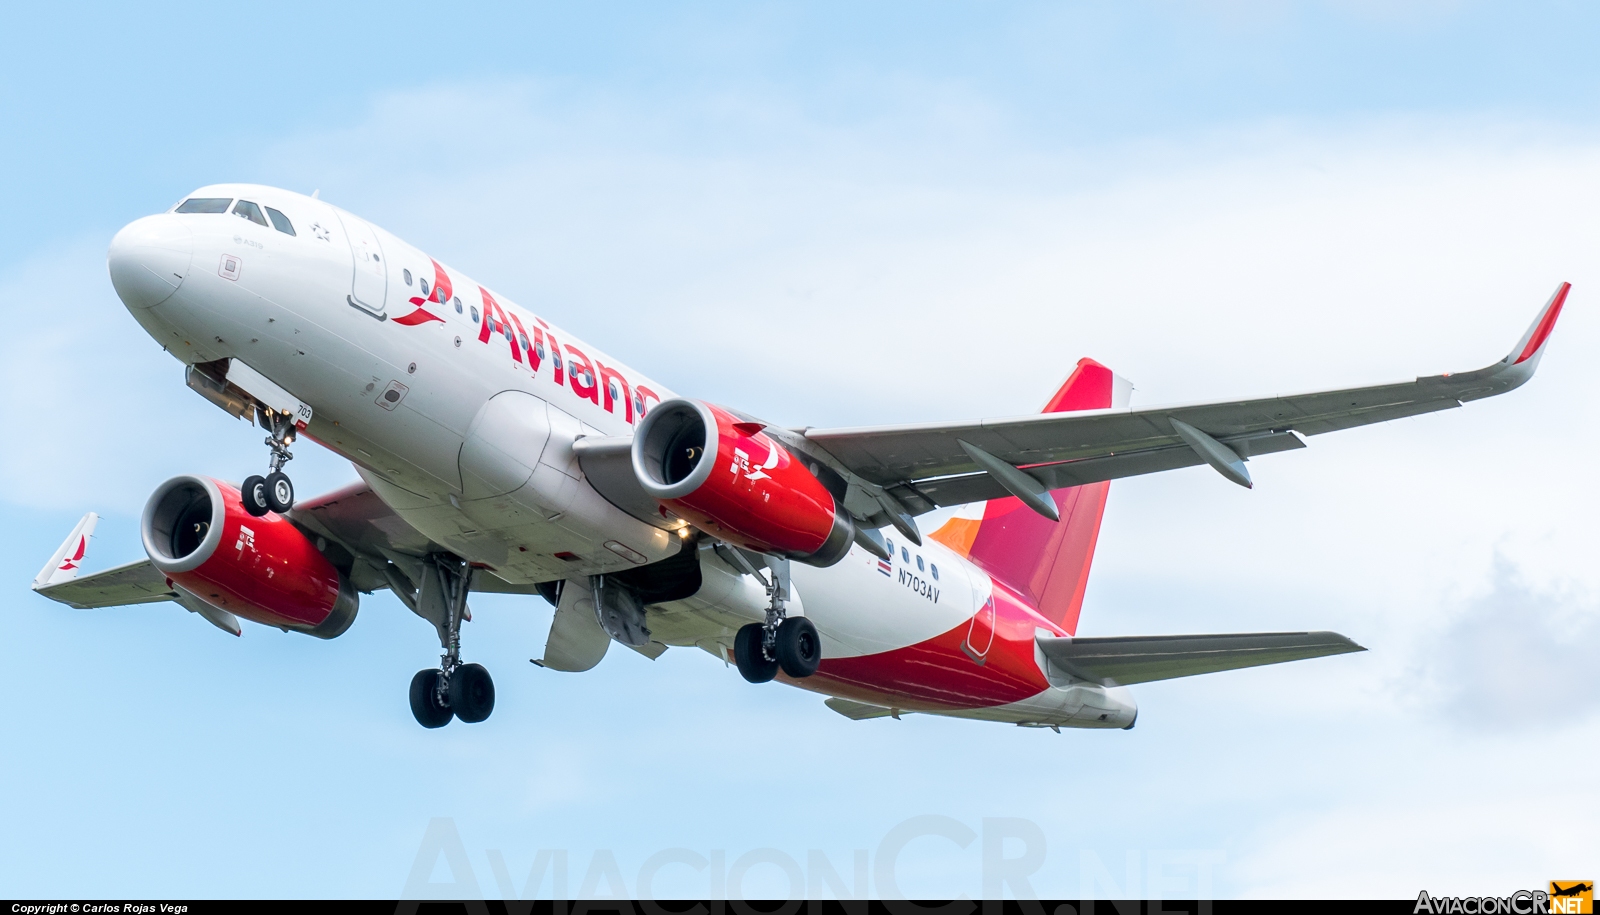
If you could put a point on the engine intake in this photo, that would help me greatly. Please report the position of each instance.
(728, 477)
(197, 532)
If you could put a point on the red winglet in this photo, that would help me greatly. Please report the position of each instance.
(1546, 323)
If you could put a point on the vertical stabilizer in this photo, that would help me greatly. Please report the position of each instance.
(1048, 561)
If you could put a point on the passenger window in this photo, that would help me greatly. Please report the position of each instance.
(905, 555)
(424, 285)
(406, 275)
(474, 314)
(919, 563)
(205, 205)
(250, 211)
(280, 221)
(523, 339)
(457, 300)
(889, 545)
(935, 570)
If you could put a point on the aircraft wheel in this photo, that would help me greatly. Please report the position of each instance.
(799, 648)
(280, 492)
(747, 654)
(425, 700)
(471, 693)
(253, 493)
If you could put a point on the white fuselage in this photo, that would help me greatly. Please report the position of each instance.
(463, 424)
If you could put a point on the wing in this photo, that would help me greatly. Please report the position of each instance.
(923, 466)
(380, 541)
(1140, 659)
(136, 582)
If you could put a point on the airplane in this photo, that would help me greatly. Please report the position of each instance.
(498, 453)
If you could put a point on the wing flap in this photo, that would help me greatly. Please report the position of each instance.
(1127, 660)
(136, 582)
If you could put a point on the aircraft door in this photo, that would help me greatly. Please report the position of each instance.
(369, 282)
(980, 633)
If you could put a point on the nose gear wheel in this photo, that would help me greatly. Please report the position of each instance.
(274, 492)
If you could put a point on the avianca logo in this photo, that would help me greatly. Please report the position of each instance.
(439, 294)
(71, 562)
(742, 465)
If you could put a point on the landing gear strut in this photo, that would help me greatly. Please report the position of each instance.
(458, 690)
(782, 642)
(274, 492)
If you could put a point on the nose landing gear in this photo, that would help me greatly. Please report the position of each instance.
(458, 690)
(274, 492)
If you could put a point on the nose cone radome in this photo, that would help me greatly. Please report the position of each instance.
(149, 258)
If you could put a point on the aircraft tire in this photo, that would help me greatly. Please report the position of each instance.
(752, 662)
(280, 492)
(799, 648)
(253, 493)
(471, 693)
(425, 706)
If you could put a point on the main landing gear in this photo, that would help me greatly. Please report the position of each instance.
(273, 492)
(454, 690)
(782, 642)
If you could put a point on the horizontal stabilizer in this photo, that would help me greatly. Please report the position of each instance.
(137, 582)
(1142, 658)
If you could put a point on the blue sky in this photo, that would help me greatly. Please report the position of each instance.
(828, 214)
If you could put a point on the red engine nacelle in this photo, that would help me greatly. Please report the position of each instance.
(197, 532)
(727, 477)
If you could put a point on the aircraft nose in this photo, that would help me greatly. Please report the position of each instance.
(149, 258)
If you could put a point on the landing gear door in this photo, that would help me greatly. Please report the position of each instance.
(369, 283)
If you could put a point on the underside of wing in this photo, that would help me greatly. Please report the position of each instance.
(924, 466)
(380, 540)
(1140, 659)
(136, 582)
(362, 522)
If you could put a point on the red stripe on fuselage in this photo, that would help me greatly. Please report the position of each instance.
(938, 674)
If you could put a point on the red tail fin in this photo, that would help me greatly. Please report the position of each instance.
(1045, 560)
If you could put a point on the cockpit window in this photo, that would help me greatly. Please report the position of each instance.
(280, 221)
(205, 205)
(249, 211)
